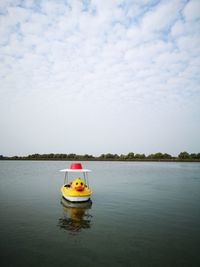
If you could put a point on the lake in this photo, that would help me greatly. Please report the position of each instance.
(142, 214)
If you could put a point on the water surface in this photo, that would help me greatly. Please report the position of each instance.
(142, 214)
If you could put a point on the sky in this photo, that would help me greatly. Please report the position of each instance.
(99, 76)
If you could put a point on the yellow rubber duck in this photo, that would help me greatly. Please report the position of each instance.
(78, 185)
(77, 191)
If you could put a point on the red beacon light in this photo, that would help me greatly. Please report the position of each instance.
(76, 166)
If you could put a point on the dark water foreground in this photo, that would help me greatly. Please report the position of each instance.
(142, 214)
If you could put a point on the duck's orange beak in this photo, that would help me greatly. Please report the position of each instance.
(79, 188)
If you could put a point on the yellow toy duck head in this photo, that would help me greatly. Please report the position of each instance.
(78, 184)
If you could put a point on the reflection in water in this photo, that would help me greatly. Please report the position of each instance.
(76, 216)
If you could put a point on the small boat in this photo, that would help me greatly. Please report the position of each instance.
(76, 190)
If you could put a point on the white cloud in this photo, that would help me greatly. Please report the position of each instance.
(189, 43)
(192, 10)
(114, 66)
(162, 16)
(185, 28)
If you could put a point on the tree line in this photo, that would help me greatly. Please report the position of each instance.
(183, 156)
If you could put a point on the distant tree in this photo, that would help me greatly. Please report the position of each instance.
(72, 156)
(140, 156)
(109, 156)
(15, 157)
(102, 156)
(122, 157)
(116, 156)
(195, 156)
(160, 156)
(86, 156)
(35, 156)
(167, 156)
(184, 155)
(130, 155)
(63, 156)
(48, 156)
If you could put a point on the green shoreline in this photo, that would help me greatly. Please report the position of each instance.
(157, 157)
(108, 160)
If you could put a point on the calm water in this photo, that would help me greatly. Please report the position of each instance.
(142, 214)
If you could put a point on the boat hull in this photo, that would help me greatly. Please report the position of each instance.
(77, 198)
(73, 195)
(81, 205)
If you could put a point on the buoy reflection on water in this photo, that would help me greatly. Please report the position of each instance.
(76, 216)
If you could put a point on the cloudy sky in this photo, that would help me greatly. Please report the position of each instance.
(99, 76)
